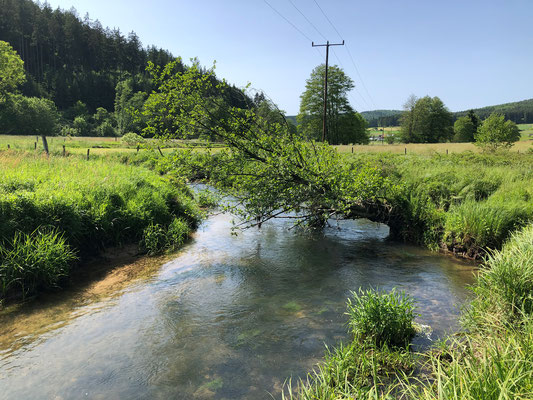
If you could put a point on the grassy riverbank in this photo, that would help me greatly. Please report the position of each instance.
(466, 203)
(58, 211)
(492, 360)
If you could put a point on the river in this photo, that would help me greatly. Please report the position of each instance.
(227, 317)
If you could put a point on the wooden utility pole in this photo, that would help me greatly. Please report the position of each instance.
(324, 127)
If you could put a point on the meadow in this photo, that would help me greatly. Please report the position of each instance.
(58, 211)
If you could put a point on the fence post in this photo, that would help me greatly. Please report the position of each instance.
(34, 145)
(352, 149)
(64, 152)
(88, 151)
(8, 147)
(137, 148)
(446, 151)
(405, 150)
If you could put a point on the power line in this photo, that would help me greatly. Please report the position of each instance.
(327, 45)
(359, 75)
(355, 86)
(307, 19)
(349, 53)
(289, 22)
(323, 13)
(337, 57)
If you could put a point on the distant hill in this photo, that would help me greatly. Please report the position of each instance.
(374, 118)
(520, 112)
(382, 117)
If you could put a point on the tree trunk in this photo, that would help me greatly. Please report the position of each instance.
(45, 144)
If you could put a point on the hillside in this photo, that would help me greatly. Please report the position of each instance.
(520, 112)
(70, 59)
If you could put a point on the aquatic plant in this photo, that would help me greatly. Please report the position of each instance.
(33, 262)
(381, 318)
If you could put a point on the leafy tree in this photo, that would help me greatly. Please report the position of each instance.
(11, 70)
(81, 126)
(463, 130)
(269, 169)
(426, 120)
(105, 129)
(29, 116)
(344, 125)
(78, 109)
(126, 103)
(474, 118)
(495, 132)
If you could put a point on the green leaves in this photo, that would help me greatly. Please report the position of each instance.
(495, 133)
(380, 318)
(269, 168)
(11, 70)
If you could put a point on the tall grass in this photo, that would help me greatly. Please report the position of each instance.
(33, 262)
(468, 203)
(91, 204)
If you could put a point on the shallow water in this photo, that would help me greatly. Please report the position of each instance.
(230, 317)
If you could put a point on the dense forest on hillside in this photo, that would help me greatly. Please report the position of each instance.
(382, 117)
(69, 59)
(520, 112)
(96, 76)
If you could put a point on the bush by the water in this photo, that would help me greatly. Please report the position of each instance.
(31, 262)
(92, 204)
(158, 238)
(381, 318)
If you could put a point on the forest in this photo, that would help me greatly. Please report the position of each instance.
(95, 76)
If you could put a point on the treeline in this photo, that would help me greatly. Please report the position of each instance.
(520, 112)
(382, 117)
(68, 59)
(94, 76)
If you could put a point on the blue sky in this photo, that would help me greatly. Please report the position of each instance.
(469, 53)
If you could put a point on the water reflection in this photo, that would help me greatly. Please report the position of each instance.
(229, 318)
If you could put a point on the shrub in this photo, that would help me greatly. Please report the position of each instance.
(157, 238)
(33, 262)
(495, 133)
(154, 239)
(379, 318)
(207, 198)
(178, 231)
(132, 139)
(476, 226)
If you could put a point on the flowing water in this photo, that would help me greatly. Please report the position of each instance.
(229, 317)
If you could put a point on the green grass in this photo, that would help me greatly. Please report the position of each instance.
(91, 205)
(467, 203)
(381, 318)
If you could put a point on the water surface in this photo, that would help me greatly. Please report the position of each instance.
(229, 317)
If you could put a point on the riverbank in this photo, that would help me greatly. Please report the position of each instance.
(491, 360)
(465, 204)
(57, 212)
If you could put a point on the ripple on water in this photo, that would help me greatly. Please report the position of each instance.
(229, 317)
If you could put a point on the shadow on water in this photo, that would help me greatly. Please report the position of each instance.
(230, 317)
